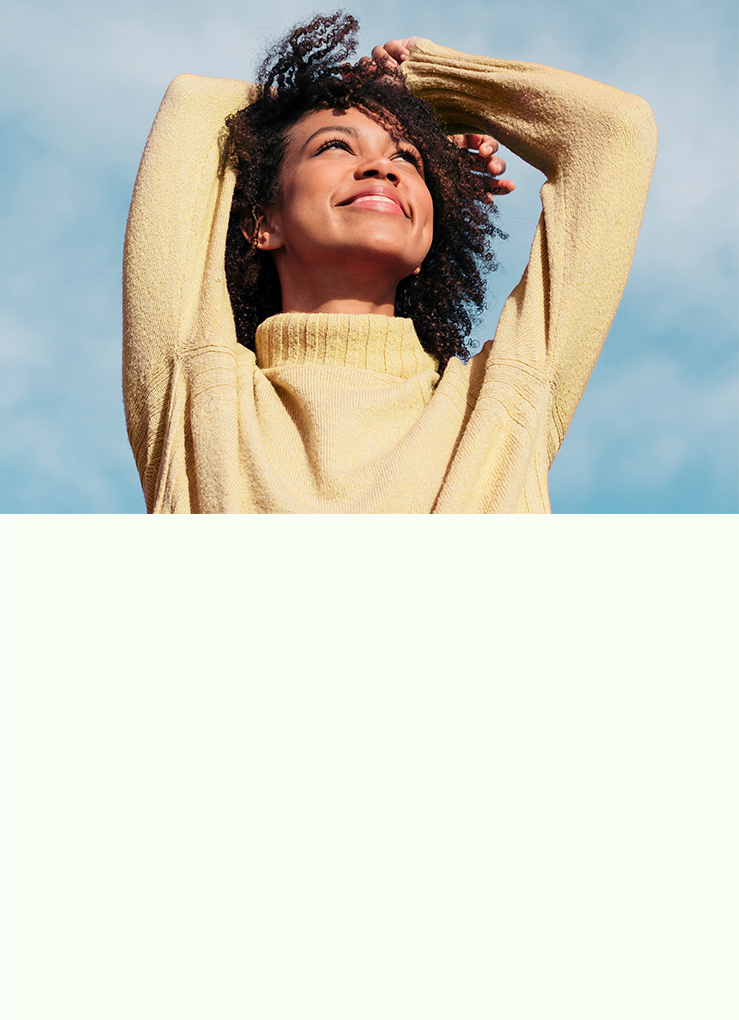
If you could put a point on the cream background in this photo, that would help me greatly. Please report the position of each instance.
(299, 767)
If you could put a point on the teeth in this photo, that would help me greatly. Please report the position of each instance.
(375, 198)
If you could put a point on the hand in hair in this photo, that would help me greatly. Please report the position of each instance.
(488, 162)
(394, 53)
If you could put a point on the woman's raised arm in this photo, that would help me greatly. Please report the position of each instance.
(179, 211)
(596, 145)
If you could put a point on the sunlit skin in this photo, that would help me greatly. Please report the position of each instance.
(353, 218)
(353, 215)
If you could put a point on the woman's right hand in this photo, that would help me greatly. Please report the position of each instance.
(395, 51)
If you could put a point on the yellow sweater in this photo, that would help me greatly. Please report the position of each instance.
(345, 413)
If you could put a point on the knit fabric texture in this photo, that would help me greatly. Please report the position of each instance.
(347, 413)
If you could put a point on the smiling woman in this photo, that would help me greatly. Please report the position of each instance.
(353, 215)
(319, 129)
(326, 371)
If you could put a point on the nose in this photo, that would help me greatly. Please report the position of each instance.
(378, 167)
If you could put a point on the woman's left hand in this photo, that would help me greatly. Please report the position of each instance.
(395, 53)
(487, 162)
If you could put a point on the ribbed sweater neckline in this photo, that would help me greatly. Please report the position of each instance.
(376, 343)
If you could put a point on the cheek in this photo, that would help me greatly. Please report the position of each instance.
(301, 204)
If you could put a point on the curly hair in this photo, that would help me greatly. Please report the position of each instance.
(306, 71)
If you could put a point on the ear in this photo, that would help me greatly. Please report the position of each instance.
(265, 234)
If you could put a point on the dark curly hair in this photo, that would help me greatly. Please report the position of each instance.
(308, 71)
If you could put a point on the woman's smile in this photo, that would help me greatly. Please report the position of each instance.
(376, 198)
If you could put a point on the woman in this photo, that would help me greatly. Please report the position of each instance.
(352, 235)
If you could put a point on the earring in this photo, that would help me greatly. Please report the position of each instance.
(416, 271)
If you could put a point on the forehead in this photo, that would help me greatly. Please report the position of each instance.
(352, 121)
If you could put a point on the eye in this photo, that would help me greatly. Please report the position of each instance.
(412, 157)
(334, 143)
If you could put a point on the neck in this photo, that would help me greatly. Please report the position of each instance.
(348, 289)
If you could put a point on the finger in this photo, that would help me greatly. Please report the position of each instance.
(502, 187)
(381, 56)
(486, 145)
(463, 141)
(488, 163)
(397, 49)
(495, 166)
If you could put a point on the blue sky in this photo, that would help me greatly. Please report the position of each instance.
(657, 429)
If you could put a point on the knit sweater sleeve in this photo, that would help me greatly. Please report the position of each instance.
(175, 300)
(597, 146)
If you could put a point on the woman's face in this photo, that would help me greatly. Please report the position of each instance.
(350, 193)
